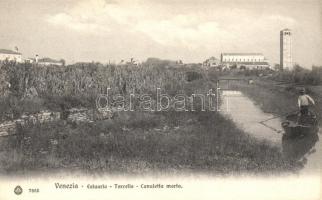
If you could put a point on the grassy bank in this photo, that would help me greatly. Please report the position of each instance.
(142, 143)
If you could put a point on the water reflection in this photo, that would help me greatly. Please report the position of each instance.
(242, 110)
(300, 146)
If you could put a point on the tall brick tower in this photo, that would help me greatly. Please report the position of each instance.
(286, 49)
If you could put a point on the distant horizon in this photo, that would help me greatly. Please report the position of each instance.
(106, 30)
(119, 61)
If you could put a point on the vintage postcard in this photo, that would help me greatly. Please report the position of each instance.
(160, 99)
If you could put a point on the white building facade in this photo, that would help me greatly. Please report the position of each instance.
(10, 55)
(48, 62)
(286, 49)
(244, 60)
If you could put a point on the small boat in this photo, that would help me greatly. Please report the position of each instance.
(296, 125)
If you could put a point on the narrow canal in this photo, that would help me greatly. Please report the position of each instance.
(264, 126)
(242, 110)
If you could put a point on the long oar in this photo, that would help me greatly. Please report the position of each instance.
(274, 129)
(278, 116)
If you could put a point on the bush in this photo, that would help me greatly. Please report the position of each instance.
(301, 75)
(192, 75)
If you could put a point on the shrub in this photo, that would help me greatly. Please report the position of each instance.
(192, 75)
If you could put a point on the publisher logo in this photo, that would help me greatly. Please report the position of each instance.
(18, 190)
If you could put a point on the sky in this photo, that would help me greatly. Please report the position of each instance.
(192, 31)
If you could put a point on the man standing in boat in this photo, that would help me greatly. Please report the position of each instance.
(304, 101)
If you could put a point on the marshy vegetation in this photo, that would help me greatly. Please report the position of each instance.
(134, 142)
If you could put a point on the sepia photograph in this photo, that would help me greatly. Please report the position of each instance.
(161, 99)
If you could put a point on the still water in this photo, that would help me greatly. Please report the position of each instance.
(264, 126)
(251, 118)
